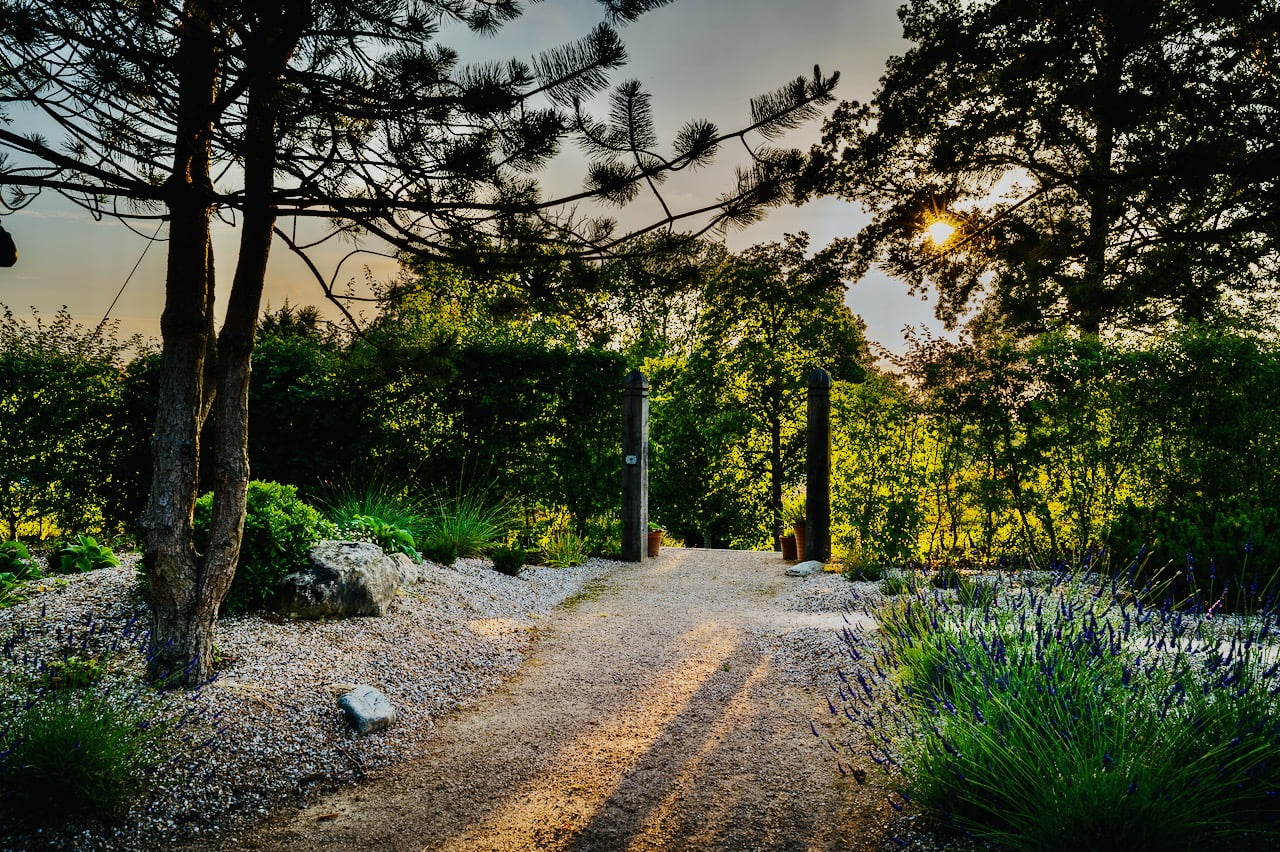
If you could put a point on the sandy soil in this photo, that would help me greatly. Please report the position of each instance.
(653, 714)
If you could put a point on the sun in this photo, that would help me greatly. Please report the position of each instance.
(939, 231)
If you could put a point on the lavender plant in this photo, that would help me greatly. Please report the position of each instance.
(82, 735)
(1073, 716)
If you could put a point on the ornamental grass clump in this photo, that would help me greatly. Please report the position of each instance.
(465, 524)
(380, 505)
(1074, 716)
(563, 548)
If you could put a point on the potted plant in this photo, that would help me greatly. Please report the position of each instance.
(655, 538)
(788, 543)
(793, 513)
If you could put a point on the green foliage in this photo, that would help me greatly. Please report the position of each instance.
(793, 507)
(603, 536)
(279, 529)
(65, 424)
(73, 672)
(1086, 189)
(977, 593)
(11, 589)
(883, 458)
(1158, 732)
(81, 753)
(563, 549)
(15, 559)
(469, 523)
(1009, 452)
(508, 559)
(871, 573)
(440, 548)
(390, 538)
(728, 413)
(896, 582)
(84, 554)
(392, 505)
(946, 577)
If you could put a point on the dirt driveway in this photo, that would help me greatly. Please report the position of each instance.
(654, 714)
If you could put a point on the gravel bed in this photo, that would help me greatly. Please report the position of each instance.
(279, 735)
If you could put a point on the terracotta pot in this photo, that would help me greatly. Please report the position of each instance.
(655, 542)
(788, 543)
(799, 530)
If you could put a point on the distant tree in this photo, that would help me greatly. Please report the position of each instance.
(337, 111)
(1104, 164)
(771, 315)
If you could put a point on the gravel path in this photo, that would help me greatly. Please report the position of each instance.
(667, 707)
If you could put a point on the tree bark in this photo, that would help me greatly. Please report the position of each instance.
(182, 625)
(187, 588)
(235, 349)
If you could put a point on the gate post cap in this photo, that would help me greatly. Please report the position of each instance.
(820, 378)
(635, 380)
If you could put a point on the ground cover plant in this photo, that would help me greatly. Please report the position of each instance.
(83, 554)
(1073, 715)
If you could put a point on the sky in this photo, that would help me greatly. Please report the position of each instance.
(698, 59)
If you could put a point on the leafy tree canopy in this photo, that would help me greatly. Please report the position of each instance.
(1103, 164)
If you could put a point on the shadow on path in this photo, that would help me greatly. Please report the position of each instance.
(651, 716)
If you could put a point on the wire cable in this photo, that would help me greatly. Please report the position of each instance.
(129, 277)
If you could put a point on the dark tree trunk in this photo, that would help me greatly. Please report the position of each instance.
(182, 619)
(187, 588)
(235, 347)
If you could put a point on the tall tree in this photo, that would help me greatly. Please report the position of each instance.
(1102, 163)
(342, 111)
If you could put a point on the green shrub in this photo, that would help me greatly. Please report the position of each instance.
(1202, 550)
(508, 559)
(73, 672)
(440, 549)
(16, 560)
(603, 536)
(84, 554)
(871, 572)
(563, 549)
(279, 529)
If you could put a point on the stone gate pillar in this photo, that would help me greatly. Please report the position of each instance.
(635, 466)
(817, 488)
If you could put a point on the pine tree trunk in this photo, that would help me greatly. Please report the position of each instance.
(235, 347)
(187, 588)
(182, 615)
